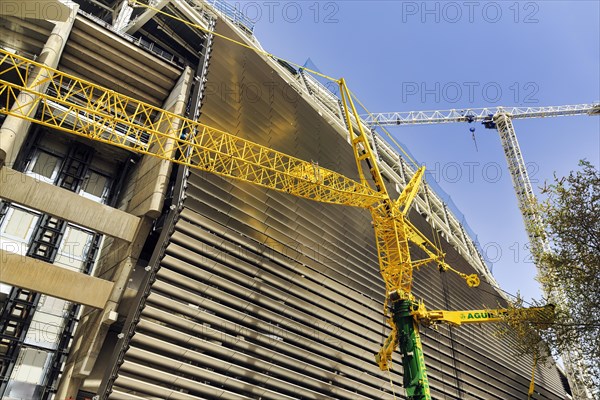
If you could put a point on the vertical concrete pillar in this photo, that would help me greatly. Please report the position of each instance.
(133, 26)
(14, 129)
(122, 16)
(153, 173)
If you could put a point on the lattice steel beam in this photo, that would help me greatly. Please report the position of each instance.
(82, 108)
(475, 114)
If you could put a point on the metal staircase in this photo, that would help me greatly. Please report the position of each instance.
(16, 318)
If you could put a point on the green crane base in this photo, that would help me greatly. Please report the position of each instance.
(409, 344)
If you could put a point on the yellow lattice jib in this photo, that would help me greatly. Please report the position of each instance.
(79, 107)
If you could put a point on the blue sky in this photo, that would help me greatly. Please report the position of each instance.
(415, 55)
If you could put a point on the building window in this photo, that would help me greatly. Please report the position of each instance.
(74, 249)
(73, 166)
(47, 323)
(16, 229)
(45, 329)
(44, 166)
(28, 374)
(95, 186)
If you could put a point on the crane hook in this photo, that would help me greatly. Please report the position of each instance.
(472, 129)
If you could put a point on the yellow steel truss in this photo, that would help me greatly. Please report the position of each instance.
(393, 231)
(76, 106)
(394, 234)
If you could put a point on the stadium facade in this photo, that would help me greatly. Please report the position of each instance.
(129, 277)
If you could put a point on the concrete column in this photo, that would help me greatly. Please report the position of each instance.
(14, 130)
(122, 16)
(153, 173)
(135, 25)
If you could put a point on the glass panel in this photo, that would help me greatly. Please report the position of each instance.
(19, 224)
(45, 330)
(75, 242)
(45, 167)
(52, 305)
(4, 288)
(67, 261)
(73, 248)
(94, 187)
(30, 365)
(16, 230)
(23, 390)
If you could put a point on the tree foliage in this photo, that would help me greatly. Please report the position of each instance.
(527, 322)
(569, 270)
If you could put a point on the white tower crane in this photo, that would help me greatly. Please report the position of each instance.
(500, 118)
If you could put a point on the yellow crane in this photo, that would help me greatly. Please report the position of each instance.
(82, 108)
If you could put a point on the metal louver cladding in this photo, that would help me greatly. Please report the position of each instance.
(241, 309)
(245, 318)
